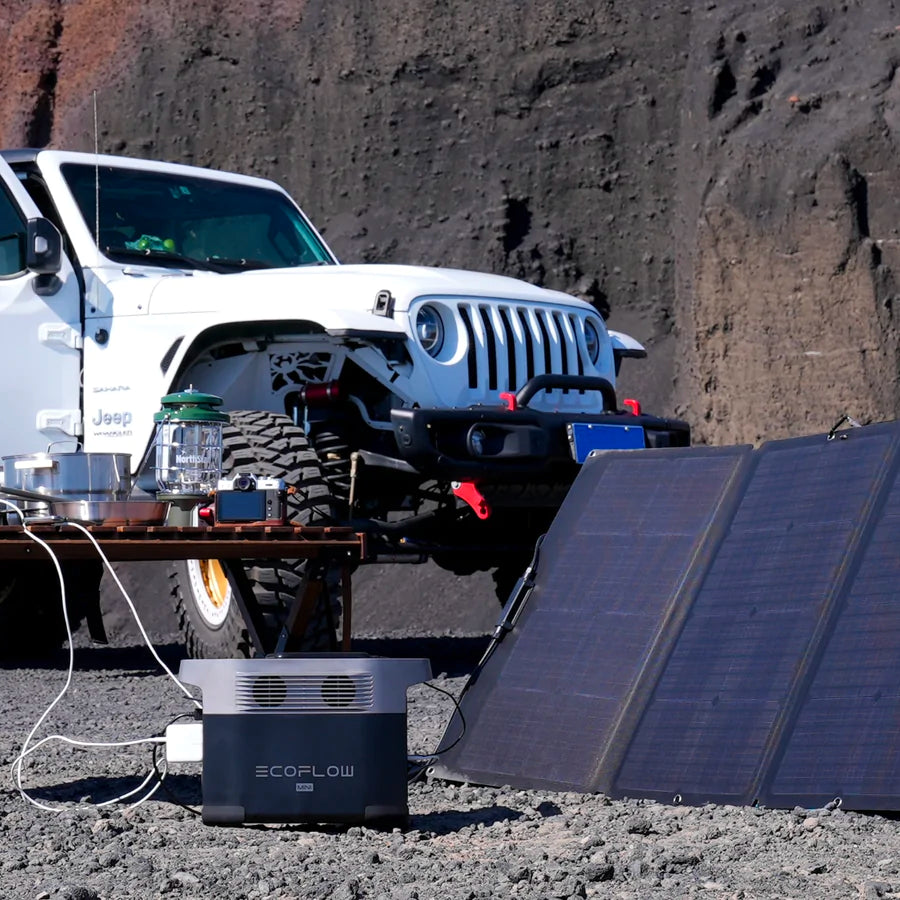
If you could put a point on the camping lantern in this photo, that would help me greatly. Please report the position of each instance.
(188, 446)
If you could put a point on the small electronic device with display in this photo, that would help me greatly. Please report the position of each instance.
(245, 499)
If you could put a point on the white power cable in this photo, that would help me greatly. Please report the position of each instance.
(27, 747)
(17, 762)
(134, 612)
(74, 742)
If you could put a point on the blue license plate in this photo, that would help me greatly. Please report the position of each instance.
(585, 437)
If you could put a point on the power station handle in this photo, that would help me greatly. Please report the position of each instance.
(571, 382)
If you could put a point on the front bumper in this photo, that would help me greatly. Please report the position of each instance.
(502, 445)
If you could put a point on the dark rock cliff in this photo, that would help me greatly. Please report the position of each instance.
(721, 177)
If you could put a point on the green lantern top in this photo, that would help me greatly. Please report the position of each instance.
(190, 406)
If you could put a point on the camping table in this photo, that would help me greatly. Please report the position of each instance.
(228, 543)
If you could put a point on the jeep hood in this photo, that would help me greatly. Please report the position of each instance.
(338, 297)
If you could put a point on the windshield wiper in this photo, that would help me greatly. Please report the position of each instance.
(208, 265)
(242, 264)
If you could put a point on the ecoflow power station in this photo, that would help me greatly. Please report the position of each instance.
(305, 738)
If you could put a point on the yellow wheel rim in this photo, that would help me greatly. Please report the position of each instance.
(215, 581)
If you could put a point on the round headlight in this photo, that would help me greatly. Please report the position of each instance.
(592, 341)
(430, 330)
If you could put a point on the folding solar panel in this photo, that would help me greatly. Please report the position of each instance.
(707, 624)
(613, 569)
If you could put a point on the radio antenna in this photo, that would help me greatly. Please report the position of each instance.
(96, 175)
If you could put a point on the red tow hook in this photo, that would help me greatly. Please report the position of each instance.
(634, 406)
(468, 492)
(509, 398)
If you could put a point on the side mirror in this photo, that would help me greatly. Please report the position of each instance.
(43, 247)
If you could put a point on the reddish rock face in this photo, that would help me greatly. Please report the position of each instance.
(720, 178)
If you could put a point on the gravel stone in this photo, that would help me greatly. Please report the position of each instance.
(599, 871)
(464, 841)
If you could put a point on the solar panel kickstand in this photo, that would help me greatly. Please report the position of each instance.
(519, 595)
(510, 614)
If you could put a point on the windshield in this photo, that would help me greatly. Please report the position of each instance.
(186, 220)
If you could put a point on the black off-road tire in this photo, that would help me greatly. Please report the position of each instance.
(31, 617)
(270, 445)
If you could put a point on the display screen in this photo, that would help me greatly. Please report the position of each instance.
(240, 506)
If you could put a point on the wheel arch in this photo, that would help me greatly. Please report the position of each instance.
(185, 350)
(364, 371)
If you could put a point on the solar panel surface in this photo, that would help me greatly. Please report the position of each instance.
(615, 564)
(709, 728)
(707, 624)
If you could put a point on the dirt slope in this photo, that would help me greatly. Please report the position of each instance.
(787, 248)
(720, 176)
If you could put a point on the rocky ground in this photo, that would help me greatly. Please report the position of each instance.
(463, 841)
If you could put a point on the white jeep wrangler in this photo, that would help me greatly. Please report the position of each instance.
(443, 412)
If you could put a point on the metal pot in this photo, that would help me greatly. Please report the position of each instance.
(69, 476)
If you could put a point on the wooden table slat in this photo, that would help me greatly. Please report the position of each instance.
(155, 542)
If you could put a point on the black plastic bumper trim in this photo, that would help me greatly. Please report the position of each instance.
(437, 442)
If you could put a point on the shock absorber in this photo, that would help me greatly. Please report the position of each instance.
(310, 404)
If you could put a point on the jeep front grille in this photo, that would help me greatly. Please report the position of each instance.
(510, 344)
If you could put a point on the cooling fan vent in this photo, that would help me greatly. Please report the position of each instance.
(303, 693)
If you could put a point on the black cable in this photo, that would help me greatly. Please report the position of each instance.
(458, 711)
(162, 783)
(416, 765)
